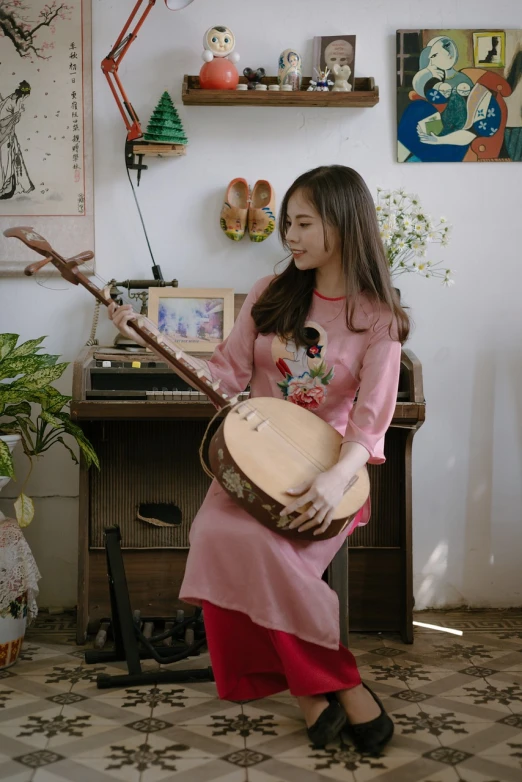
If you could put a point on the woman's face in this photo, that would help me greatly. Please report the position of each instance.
(220, 43)
(305, 235)
(442, 57)
(338, 53)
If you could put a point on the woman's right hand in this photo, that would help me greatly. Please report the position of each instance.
(120, 316)
(438, 73)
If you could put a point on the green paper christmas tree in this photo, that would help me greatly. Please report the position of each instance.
(165, 125)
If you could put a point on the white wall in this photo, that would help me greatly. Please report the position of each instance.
(467, 456)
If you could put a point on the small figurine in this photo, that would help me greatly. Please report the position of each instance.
(219, 42)
(342, 73)
(322, 83)
(253, 77)
(219, 71)
(290, 69)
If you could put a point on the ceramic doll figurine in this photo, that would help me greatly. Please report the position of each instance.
(322, 83)
(342, 73)
(290, 69)
(219, 71)
(219, 42)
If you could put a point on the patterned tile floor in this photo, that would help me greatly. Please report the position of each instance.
(456, 703)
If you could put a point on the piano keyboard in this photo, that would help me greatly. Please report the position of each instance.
(184, 396)
(156, 395)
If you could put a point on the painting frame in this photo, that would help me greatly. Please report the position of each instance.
(459, 95)
(189, 317)
(478, 37)
(320, 59)
(69, 233)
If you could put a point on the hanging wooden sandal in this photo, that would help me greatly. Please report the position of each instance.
(328, 725)
(261, 214)
(234, 213)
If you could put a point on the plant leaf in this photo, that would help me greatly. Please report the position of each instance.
(10, 395)
(42, 378)
(6, 461)
(89, 454)
(7, 343)
(49, 360)
(28, 422)
(28, 348)
(54, 401)
(24, 510)
(50, 419)
(22, 408)
(85, 446)
(73, 455)
(23, 365)
(13, 427)
(27, 441)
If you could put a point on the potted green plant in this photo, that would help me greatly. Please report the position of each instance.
(34, 413)
(26, 377)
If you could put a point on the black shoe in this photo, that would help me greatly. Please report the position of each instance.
(327, 726)
(371, 737)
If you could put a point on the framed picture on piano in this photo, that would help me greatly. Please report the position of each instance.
(197, 319)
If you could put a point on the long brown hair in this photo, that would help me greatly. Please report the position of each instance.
(343, 201)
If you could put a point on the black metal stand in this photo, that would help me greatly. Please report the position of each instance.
(128, 636)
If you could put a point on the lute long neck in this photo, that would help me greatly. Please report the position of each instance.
(161, 344)
(181, 363)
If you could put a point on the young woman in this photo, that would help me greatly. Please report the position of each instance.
(327, 327)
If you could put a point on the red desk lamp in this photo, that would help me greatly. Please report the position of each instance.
(112, 62)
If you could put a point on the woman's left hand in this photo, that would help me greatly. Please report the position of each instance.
(428, 138)
(324, 493)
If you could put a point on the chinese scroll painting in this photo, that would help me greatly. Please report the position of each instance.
(42, 117)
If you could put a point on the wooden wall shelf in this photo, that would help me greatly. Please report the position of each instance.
(150, 149)
(365, 95)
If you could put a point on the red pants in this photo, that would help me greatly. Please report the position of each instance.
(252, 662)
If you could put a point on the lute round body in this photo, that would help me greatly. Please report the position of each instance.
(266, 445)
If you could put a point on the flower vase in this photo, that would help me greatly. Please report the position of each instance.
(13, 622)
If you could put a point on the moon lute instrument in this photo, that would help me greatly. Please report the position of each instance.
(263, 445)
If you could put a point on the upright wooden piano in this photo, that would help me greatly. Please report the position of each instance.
(146, 425)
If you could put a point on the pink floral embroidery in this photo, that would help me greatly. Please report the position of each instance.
(309, 389)
(306, 391)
